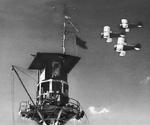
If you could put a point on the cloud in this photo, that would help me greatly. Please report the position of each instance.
(105, 116)
(145, 81)
(93, 110)
(21, 121)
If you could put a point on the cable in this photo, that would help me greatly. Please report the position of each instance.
(85, 114)
(38, 112)
(19, 69)
(12, 98)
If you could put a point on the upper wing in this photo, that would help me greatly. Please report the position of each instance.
(116, 35)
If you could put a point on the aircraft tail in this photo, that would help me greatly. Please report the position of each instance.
(137, 46)
(102, 35)
(140, 24)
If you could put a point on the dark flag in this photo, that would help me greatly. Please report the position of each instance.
(81, 43)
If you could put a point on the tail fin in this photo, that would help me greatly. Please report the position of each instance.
(140, 24)
(137, 46)
(102, 35)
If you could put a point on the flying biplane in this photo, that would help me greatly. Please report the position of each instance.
(108, 34)
(122, 47)
(127, 26)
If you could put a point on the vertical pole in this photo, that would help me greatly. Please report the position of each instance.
(68, 20)
(64, 38)
(64, 29)
(12, 97)
(37, 90)
(38, 76)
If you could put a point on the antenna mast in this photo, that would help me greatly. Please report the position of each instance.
(64, 29)
(64, 38)
(67, 19)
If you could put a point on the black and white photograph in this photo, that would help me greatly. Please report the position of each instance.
(75, 62)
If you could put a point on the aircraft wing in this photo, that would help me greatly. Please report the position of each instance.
(127, 47)
(113, 35)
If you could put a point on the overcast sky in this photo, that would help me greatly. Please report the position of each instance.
(113, 90)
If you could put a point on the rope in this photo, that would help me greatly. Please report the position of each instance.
(12, 98)
(85, 115)
(38, 112)
(19, 69)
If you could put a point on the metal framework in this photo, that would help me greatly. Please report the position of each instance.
(53, 105)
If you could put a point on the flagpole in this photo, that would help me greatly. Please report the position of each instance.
(67, 19)
(64, 30)
(64, 38)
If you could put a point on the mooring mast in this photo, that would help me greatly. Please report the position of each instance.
(53, 105)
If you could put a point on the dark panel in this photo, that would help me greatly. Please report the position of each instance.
(42, 59)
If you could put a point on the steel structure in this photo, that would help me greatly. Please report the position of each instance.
(53, 105)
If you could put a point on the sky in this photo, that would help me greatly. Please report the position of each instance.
(112, 90)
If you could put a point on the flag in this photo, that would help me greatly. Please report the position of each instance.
(81, 43)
